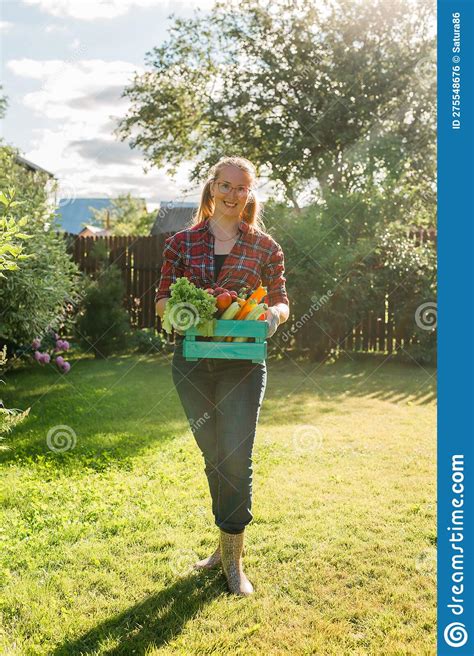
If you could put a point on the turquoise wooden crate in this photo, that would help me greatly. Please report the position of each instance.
(255, 351)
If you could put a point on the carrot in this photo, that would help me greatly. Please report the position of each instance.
(255, 297)
(258, 294)
(245, 309)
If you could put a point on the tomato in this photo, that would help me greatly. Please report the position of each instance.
(223, 301)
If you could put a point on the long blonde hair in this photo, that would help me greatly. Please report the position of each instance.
(252, 212)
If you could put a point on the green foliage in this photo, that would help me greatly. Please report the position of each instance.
(33, 298)
(127, 216)
(9, 417)
(345, 258)
(343, 97)
(409, 276)
(102, 323)
(146, 340)
(11, 248)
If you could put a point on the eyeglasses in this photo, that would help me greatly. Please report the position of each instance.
(225, 187)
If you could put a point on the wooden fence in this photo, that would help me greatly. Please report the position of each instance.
(140, 260)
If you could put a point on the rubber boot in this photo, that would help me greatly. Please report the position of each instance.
(231, 555)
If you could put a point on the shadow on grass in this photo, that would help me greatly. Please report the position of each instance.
(111, 411)
(122, 406)
(152, 622)
(376, 377)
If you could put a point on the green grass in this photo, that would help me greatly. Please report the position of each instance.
(98, 540)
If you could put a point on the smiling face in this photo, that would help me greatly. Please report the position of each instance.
(230, 203)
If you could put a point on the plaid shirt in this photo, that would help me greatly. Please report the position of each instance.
(255, 259)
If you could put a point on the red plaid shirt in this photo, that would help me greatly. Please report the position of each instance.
(255, 259)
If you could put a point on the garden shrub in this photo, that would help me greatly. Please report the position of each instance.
(102, 323)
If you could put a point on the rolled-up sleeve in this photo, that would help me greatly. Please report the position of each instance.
(171, 269)
(273, 277)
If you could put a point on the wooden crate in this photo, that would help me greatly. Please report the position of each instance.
(194, 349)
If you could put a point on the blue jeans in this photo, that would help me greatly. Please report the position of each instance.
(222, 399)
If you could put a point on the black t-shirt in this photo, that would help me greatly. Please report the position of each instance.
(218, 262)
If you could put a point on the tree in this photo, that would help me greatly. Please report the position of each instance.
(307, 92)
(127, 216)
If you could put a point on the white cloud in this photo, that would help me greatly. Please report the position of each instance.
(79, 90)
(54, 28)
(5, 26)
(82, 100)
(93, 9)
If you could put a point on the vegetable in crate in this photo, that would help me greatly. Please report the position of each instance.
(189, 306)
(223, 301)
(253, 315)
(254, 298)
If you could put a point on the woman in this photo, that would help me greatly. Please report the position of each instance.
(226, 247)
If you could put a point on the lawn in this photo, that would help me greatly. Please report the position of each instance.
(98, 539)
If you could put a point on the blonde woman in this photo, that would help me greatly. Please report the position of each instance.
(226, 246)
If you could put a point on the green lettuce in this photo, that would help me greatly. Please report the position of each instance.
(189, 306)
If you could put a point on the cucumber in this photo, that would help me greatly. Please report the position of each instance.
(231, 311)
(256, 312)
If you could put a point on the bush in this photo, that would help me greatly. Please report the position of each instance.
(344, 258)
(33, 297)
(9, 417)
(146, 340)
(102, 323)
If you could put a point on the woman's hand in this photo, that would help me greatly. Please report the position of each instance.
(272, 316)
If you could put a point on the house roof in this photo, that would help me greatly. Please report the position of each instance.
(31, 166)
(73, 214)
(173, 216)
(96, 230)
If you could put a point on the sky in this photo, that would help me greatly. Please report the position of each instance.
(64, 66)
